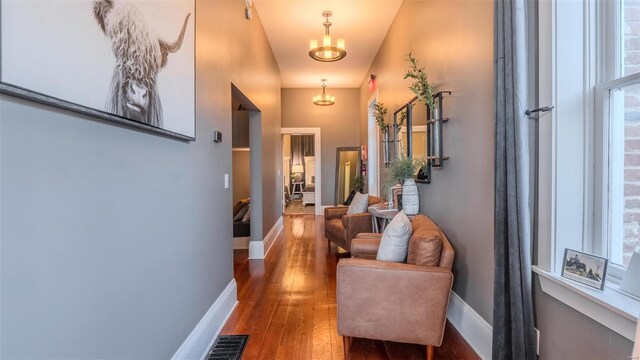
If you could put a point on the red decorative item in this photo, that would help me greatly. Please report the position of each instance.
(364, 154)
(372, 83)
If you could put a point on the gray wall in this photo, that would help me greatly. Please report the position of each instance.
(115, 242)
(460, 59)
(240, 129)
(338, 125)
(568, 334)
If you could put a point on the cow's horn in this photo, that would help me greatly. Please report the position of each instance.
(175, 46)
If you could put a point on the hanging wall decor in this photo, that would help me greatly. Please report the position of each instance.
(127, 62)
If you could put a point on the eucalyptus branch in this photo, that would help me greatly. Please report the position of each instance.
(420, 86)
(380, 114)
(401, 119)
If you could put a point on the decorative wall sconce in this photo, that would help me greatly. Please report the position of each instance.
(327, 52)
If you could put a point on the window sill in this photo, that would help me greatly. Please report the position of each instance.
(610, 308)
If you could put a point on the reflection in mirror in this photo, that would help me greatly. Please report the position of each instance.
(347, 168)
(417, 137)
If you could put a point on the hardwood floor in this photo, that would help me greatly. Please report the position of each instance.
(295, 207)
(287, 303)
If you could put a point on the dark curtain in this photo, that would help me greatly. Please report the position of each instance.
(513, 326)
(301, 146)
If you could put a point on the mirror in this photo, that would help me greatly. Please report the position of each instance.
(347, 168)
(416, 121)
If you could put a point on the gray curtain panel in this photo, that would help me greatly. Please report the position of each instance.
(301, 146)
(513, 324)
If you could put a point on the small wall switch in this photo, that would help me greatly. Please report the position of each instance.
(226, 181)
(217, 136)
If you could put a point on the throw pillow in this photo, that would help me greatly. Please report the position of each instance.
(247, 216)
(243, 210)
(395, 239)
(359, 204)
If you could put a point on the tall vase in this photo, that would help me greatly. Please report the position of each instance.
(410, 200)
(386, 146)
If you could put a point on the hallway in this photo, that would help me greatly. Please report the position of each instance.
(287, 303)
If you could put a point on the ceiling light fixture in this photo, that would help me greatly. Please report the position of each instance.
(327, 52)
(324, 99)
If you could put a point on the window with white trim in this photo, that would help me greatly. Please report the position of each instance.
(588, 150)
(589, 147)
(617, 119)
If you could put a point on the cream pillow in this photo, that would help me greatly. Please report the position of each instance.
(395, 239)
(359, 204)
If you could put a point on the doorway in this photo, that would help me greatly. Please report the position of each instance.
(301, 171)
(246, 182)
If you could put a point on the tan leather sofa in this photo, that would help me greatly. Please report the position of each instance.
(341, 228)
(401, 302)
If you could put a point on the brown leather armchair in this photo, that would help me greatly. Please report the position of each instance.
(400, 302)
(341, 228)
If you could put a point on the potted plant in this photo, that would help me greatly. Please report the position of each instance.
(420, 86)
(403, 170)
(358, 183)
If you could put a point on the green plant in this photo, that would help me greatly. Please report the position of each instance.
(380, 113)
(401, 119)
(420, 86)
(357, 183)
(401, 169)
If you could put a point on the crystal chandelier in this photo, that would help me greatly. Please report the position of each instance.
(324, 99)
(327, 52)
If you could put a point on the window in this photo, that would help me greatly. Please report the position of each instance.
(618, 101)
(589, 146)
(588, 149)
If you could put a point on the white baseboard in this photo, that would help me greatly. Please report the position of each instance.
(256, 250)
(241, 242)
(273, 235)
(259, 249)
(473, 328)
(198, 343)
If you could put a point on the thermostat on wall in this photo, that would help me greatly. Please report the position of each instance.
(217, 136)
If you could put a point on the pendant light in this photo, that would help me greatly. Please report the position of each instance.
(327, 52)
(324, 99)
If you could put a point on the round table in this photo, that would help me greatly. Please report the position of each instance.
(380, 216)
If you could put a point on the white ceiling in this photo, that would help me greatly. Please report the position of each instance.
(290, 24)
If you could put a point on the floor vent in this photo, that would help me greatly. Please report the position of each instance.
(228, 347)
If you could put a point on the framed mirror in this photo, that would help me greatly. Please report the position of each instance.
(410, 124)
(347, 168)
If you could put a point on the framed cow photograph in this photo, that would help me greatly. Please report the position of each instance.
(585, 268)
(130, 62)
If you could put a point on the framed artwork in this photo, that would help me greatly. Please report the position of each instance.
(585, 268)
(130, 62)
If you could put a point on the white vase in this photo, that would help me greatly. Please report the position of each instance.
(410, 199)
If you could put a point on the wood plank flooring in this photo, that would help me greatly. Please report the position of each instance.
(287, 303)
(295, 207)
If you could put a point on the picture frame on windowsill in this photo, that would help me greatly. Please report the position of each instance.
(586, 269)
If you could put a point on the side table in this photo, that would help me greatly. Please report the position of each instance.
(380, 216)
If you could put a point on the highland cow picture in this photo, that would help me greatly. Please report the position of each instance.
(131, 62)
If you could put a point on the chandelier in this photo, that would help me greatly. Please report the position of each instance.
(327, 52)
(324, 99)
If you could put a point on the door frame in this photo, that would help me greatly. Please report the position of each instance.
(317, 154)
(373, 141)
